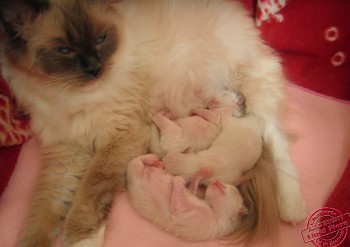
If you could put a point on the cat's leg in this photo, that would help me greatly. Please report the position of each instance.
(291, 204)
(263, 89)
(63, 166)
(95, 194)
(97, 239)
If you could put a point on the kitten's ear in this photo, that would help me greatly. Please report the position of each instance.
(15, 14)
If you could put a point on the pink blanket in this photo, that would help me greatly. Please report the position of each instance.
(320, 151)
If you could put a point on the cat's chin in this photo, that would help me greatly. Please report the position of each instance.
(90, 86)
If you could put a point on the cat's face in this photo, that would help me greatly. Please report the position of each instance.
(67, 43)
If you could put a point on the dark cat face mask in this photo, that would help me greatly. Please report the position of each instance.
(63, 42)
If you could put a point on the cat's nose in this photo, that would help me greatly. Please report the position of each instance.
(91, 65)
(95, 71)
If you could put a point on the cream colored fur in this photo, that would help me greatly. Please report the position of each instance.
(164, 199)
(213, 44)
(88, 135)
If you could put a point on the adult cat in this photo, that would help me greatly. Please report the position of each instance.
(92, 72)
(68, 64)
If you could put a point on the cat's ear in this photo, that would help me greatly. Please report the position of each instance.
(16, 13)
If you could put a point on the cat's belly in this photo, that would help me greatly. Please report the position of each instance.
(182, 94)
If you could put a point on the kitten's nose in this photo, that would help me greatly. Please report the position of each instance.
(91, 66)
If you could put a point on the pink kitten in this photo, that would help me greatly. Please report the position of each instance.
(194, 132)
(228, 146)
(165, 200)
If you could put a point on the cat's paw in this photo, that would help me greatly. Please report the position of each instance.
(37, 233)
(83, 226)
(95, 240)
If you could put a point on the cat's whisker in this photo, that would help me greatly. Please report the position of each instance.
(55, 80)
(67, 84)
(46, 75)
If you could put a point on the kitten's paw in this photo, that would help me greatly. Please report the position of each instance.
(95, 240)
(292, 206)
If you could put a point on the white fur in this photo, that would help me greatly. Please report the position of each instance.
(205, 44)
(167, 47)
(196, 132)
(234, 151)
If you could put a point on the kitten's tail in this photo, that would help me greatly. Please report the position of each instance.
(258, 189)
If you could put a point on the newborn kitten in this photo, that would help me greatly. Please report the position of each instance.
(165, 200)
(227, 146)
(194, 132)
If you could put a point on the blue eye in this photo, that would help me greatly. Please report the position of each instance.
(63, 50)
(101, 39)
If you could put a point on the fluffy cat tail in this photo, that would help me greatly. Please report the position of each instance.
(258, 189)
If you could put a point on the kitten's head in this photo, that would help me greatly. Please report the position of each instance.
(66, 43)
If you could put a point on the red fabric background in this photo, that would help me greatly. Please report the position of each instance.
(8, 159)
(15, 133)
(309, 38)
